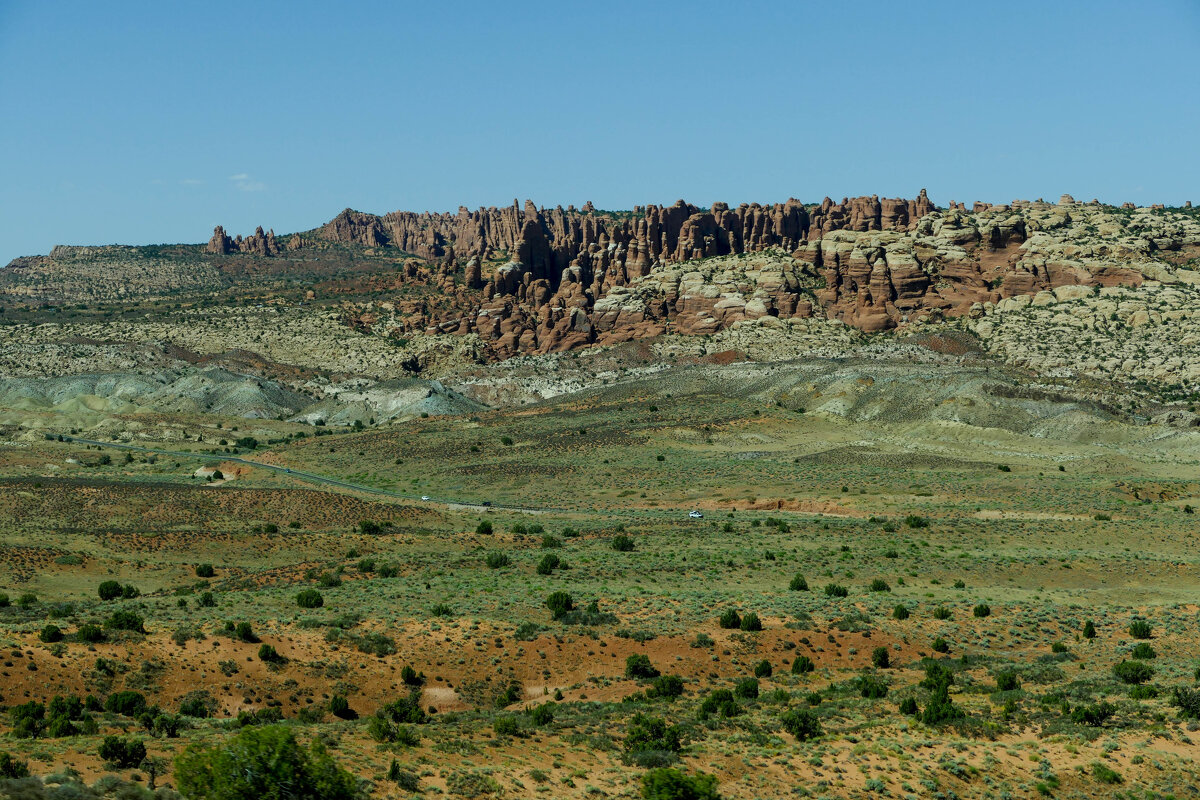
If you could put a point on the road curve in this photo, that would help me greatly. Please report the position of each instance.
(309, 476)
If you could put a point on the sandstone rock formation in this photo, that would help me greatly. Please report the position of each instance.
(262, 244)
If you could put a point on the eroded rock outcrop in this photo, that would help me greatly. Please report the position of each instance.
(260, 244)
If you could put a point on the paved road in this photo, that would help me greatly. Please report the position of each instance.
(307, 476)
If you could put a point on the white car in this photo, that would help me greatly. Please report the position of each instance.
(426, 497)
(695, 514)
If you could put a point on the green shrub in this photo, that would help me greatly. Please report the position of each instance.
(542, 715)
(982, 610)
(1089, 630)
(665, 783)
(50, 634)
(1143, 651)
(802, 665)
(199, 704)
(269, 655)
(11, 768)
(879, 585)
(207, 600)
(1094, 715)
(484, 528)
(257, 763)
(836, 590)
(940, 709)
(125, 620)
(665, 686)
(730, 619)
(339, 706)
(1007, 681)
(496, 560)
(1106, 774)
(914, 521)
(411, 677)
(127, 703)
(801, 723)
(798, 583)
(721, 703)
(548, 564)
(622, 543)
(559, 604)
(405, 710)
(1187, 701)
(1140, 629)
(205, 571)
(871, 687)
(646, 734)
(1133, 672)
(245, 632)
(746, 688)
(309, 598)
(763, 669)
(900, 612)
(109, 590)
(638, 666)
(506, 726)
(122, 753)
(90, 632)
(940, 645)
(751, 622)
(881, 658)
(908, 706)
(941, 612)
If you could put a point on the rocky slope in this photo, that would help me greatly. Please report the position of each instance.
(1064, 290)
(538, 281)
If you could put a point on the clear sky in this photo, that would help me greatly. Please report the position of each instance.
(148, 122)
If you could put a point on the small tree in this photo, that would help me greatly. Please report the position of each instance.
(638, 666)
(205, 571)
(881, 658)
(730, 619)
(667, 783)
(122, 753)
(109, 590)
(559, 604)
(798, 583)
(801, 723)
(310, 598)
(1140, 629)
(484, 528)
(258, 763)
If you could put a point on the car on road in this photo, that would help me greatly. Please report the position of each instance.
(695, 514)
(486, 503)
(426, 497)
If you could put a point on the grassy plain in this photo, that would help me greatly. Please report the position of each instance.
(935, 516)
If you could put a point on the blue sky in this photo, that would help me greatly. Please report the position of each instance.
(152, 122)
